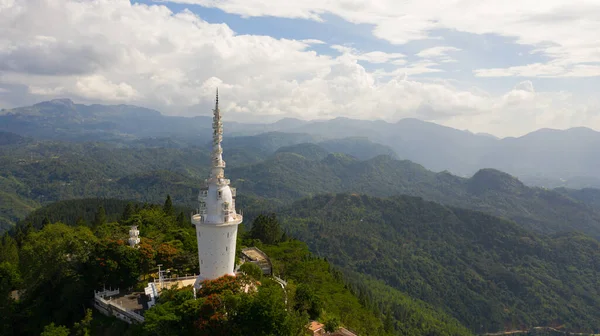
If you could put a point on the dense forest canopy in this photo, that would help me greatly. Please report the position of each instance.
(489, 273)
(393, 254)
(36, 173)
(58, 265)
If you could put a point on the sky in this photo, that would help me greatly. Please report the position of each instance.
(495, 66)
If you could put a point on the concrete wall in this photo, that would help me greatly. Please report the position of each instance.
(216, 249)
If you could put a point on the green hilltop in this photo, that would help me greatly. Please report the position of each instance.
(59, 266)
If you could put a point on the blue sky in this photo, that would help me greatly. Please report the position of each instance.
(477, 50)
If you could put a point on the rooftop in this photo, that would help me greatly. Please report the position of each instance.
(315, 325)
(254, 254)
(133, 301)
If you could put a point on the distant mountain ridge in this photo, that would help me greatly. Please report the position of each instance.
(36, 172)
(287, 176)
(549, 158)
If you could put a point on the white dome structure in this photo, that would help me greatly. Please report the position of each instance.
(216, 221)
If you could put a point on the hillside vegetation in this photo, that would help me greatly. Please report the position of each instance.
(397, 253)
(489, 273)
(56, 268)
(41, 172)
(288, 176)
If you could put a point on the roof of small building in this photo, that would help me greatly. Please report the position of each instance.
(315, 325)
(255, 254)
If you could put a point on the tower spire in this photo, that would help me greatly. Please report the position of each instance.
(218, 164)
(217, 101)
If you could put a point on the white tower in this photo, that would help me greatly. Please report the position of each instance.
(217, 221)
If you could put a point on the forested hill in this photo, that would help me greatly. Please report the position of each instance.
(38, 172)
(35, 173)
(491, 274)
(288, 176)
(57, 267)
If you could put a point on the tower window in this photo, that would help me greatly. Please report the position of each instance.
(219, 194)
(226, 248)
(227, 234)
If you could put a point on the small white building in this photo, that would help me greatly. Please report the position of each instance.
(217, 220)
(134, 236)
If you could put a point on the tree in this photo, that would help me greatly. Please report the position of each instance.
(265, 314)
(251, 270)
(388, 322)
(127, 212)
(168, 207)
(100, 217)
(147, 254)
(54, 330)
(82, 328)
(52, 261)
(308, 301)
(181, 220)
(9, 250)
(266, 228)
(165, 254)
(10, 279)
(332, 324)
(80, 221)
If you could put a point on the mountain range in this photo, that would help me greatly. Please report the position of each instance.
(408, 210)
(550, 158)
(37, 172)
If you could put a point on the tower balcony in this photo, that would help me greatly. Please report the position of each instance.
(223, 181)
(227, 219)
(197, 219)
(233, 218)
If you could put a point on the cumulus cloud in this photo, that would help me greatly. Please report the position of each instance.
(313, 41)
(564, 31)
(111, 51)
(547, 70)
(512, 113)
(436, 52)
(372, 56)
